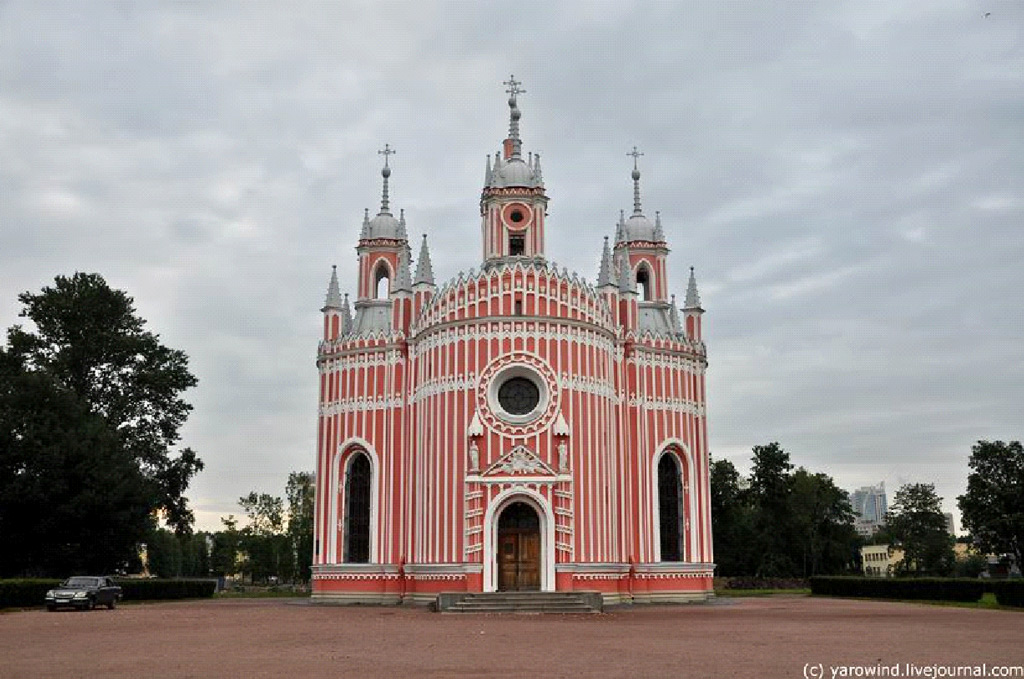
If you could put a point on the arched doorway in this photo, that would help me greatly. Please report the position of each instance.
(670, 508)
(518, 548)
(357, 509)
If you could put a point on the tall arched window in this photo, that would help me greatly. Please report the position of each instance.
(357, 509)
(643, 281)
(381, 282)
(670, 507)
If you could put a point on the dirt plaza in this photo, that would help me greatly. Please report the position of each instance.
(742, 637)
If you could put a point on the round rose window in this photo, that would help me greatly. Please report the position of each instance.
(518, 396)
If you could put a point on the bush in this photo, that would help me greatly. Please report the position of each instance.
(1009, 592)
(750, 582)
(143, 590)
(25, 592)
(30, 592)
(933, 589)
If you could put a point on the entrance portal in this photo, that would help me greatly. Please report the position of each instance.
(518, 548)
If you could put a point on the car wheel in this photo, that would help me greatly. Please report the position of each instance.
(112, 604)
(51, 608)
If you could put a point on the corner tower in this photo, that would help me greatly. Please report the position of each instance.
(383, 247)
(513, 203)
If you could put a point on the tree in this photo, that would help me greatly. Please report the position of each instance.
(90, 342)
(731, 521)
(824, 538)
(300, 494)
(264, 542)
(164, 554)
(226, 545)
(71, 497)
(769, 492)
(916, 522)
(993, 507)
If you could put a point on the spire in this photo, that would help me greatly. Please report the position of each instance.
(346, 316)
(636, 180)
(677, 327)
(514, 89)
(620, 228)
(402, 233)
(365, 233)
(333, 300)
(487, 173)
(403, 281)
(604, 274)
(692, 302)
(536, 169)
(385, 172)
(659, 233)
(626, 280)
(424, 271)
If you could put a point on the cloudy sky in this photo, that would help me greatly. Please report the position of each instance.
(845, 176)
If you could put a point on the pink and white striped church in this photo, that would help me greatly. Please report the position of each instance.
(517, 427)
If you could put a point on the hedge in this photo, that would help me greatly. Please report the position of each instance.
(25, 592)
(1008, 592)
(30, 592)
(749, 582)
(149, 589)
(934, 589)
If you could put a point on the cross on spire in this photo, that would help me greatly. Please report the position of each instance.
(636, 153)
(514, 114)
(385, 172)
(636, 156)
(513, 86)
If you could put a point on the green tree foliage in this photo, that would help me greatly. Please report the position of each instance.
(89, 342)
(71, 497)
(732, 521)
(993, 506)
(89, 408)
(916, 523)
(163, 553)
(264, 542)
(226, 545)
(823, 537)
(300, 494)
(770, 487)
(783, 523)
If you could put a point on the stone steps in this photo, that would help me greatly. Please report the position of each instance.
(519, 602)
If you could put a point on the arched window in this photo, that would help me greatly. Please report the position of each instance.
(381, 282)
(357, 509)
(643, 281)
(670, 507)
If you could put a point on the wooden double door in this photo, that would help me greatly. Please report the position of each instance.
(518, 548)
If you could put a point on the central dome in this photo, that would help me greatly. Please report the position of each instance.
(514, 172)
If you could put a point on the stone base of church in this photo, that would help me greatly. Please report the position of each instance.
(618, 583)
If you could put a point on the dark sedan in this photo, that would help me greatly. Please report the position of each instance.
(84, 592)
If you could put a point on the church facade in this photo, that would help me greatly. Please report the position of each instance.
(516, 427)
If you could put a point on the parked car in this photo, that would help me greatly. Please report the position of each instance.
(84, 592)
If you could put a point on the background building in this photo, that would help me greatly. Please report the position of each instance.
(869, 507)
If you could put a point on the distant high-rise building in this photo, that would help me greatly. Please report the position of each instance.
(869, 507)
(950, 526)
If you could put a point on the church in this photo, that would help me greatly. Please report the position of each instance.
(516, 427)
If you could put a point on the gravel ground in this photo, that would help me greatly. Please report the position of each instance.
(747, 637)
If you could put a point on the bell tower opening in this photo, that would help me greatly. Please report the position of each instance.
(516, 246)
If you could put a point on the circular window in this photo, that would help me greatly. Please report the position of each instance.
(516, 216)
(518, 396)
